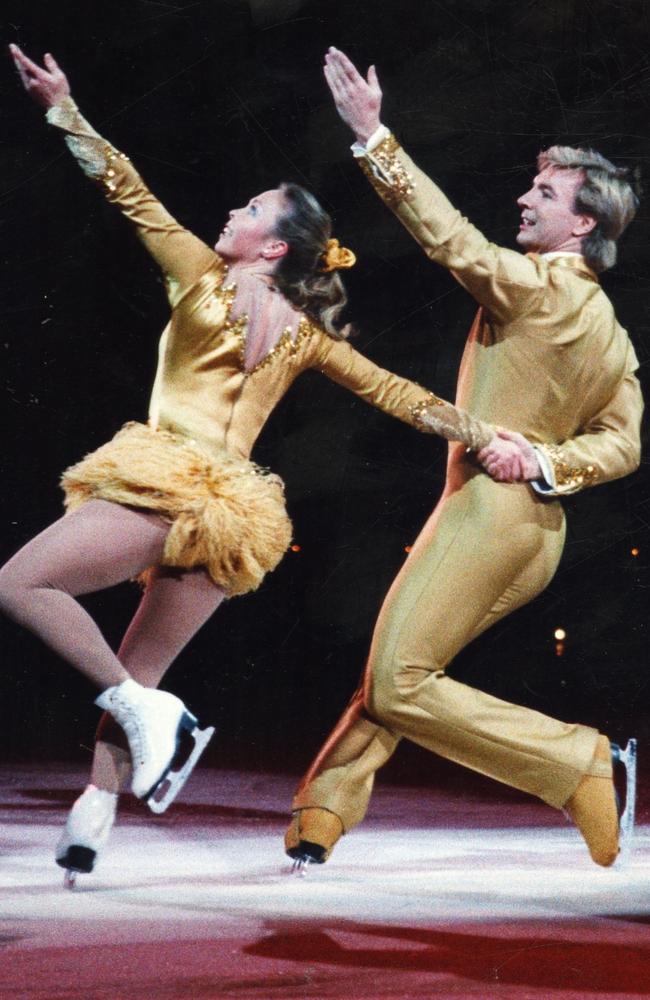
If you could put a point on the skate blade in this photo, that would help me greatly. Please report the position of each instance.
(170, 784)
(627, 758)
(70, 878)
(299, 867)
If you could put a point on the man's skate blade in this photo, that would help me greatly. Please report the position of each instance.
(164, 793)
(299, 867)
(627, 757)
(304, 854)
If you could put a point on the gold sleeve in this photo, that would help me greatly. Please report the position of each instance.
(609, 447)
(182, 256)
(505, 282)
(397, 396)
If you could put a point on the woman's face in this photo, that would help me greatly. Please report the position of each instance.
(248, 235)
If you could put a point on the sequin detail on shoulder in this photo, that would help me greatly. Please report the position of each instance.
(568, 478)
(389, 177)
(286, 346)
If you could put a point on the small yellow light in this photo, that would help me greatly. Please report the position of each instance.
(295, 548)
(634, 551)
(559, 634)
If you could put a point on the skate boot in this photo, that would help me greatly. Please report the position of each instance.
(86, 831)
(594, 806)
(154, 722)
(311, 837)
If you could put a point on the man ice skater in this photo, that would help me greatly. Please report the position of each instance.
(545, 355)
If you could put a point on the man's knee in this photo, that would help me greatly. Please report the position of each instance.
(381, 694)
(387, 688)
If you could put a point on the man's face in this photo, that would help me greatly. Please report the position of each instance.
(249, 230)
(548, 218)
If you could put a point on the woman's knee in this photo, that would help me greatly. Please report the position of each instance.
(14, 589)
(22, 580)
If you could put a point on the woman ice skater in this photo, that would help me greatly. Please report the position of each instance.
(177, 501)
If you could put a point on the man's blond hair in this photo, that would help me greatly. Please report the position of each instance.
(610, 194)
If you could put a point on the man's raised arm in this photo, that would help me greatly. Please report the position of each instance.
(502, 280)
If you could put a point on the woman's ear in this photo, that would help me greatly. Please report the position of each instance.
(275, 249)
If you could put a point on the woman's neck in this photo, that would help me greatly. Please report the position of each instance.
(261, 269)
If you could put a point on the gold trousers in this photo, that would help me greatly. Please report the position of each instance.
(487, 549)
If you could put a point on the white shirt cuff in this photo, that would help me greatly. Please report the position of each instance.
(544, 486)
(358, 149)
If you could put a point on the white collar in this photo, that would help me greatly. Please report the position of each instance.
(552, 254)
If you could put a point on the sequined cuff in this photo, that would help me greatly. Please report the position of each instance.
(387, 173)
(567, 478)
(86, 145)
(435, 416)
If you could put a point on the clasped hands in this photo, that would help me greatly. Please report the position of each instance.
(510, 458)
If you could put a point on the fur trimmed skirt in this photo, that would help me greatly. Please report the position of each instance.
(226, 514)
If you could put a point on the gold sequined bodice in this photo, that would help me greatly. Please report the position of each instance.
(206, 388)
(203, 387)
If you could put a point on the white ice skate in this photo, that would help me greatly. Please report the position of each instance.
(154, 722)
(86, 831)
(627, 758)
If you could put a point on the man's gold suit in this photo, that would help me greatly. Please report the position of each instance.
(547, 357)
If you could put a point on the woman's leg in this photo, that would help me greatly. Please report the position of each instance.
(99, 545)
(173, 608)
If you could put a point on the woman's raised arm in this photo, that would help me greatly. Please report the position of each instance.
(182, 256)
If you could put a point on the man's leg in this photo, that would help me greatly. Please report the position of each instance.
(480, 556)
(334, 794)
(493, 549)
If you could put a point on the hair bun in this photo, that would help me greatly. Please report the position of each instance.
(336, 257)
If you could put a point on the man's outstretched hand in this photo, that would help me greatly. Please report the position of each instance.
(510, 458)
(48, 85)
(358, 101)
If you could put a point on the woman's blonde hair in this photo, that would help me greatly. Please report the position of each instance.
(610, 194)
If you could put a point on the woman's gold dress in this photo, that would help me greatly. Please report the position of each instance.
(190, 462)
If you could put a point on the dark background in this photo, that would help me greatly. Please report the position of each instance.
(216, 101)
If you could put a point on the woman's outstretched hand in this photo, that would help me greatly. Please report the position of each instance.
(48, 85)
(358, 101)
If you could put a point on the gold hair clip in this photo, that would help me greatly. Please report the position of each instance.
(335, 256)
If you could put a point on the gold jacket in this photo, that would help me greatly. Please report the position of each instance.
(545, 355)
